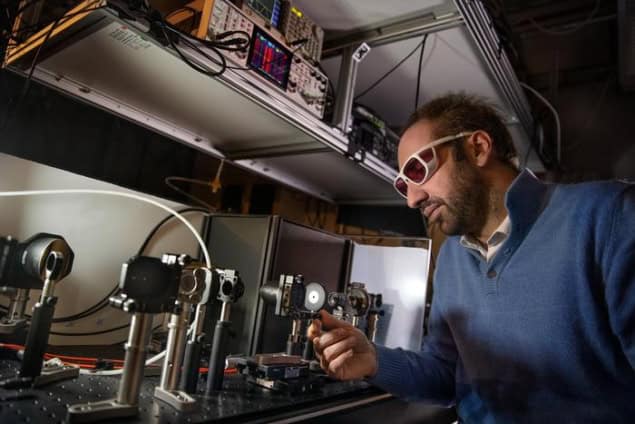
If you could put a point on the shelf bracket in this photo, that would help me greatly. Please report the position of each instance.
(346, 86)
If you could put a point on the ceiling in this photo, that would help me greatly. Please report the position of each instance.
(576, 71)
(451, 60)
(344, 15)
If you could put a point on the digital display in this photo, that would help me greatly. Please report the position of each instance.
(269, 9)
(269, 58)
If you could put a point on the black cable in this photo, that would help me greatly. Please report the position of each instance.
(219, 42)
(240, 43)
(383, 77)
(423, 47)
(196, 67)
(103, 303)
(156, 228)
(27, 83)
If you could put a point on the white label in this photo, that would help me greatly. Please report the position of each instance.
(129, 38)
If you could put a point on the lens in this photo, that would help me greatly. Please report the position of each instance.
(401, 186)
(426, 155)
(415, 170)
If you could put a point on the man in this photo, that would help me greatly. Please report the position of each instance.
(533, 312)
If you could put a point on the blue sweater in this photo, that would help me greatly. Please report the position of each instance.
(545, 332)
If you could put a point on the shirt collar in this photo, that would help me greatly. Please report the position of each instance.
(499, 235)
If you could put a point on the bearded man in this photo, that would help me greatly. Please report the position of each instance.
(533, 316)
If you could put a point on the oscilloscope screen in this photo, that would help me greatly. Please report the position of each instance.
(269, 58)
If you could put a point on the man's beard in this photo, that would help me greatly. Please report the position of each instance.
(466, 208)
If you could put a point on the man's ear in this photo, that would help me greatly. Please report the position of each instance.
(480, 148)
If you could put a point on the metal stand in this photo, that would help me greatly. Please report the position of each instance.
(149, 286)
(166, 390)
(191, 363)
(49, 258)
(231, 289)
(308, 354)
(125, 405)
(193, 283)
(192, 356)
(296, 340)
(15, 319)
(32, 368)
(374, 313)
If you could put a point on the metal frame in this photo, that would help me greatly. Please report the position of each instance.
(489, 44)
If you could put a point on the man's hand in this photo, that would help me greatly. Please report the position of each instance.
(344, 351)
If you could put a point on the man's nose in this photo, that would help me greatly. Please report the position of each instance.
(416, 195)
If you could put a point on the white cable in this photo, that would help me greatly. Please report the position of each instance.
(200, 241)
(156, 358)
(555, 115)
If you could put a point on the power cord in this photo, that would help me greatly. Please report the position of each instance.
(390, 71)
(423, 47)
(173, 36)
(104, 302)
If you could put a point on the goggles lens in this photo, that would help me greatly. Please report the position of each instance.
(417, 170)
(401, 186)
(421, 165)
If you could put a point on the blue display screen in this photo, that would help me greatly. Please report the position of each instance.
(269, 58)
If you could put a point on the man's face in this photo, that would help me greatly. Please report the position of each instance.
(455, 196)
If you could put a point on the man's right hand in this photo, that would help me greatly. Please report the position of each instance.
(344, 351)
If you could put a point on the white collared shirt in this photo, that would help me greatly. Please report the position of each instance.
(494, 242)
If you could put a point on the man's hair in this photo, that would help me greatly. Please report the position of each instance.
(457, 112)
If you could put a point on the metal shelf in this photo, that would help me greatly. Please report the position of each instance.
(110, 63)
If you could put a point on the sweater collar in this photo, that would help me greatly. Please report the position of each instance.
(525, 200)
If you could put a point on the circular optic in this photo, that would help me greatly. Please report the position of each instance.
(315, 297)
